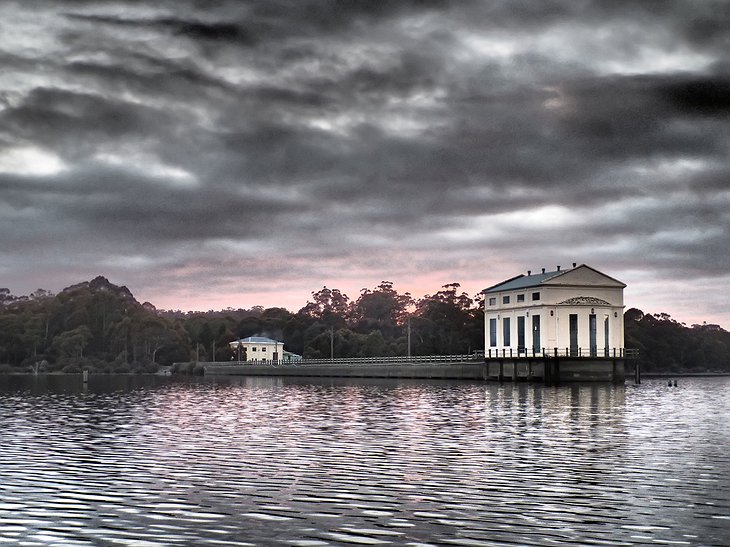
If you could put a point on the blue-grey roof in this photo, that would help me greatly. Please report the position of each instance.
(259, 340)
(523, 281)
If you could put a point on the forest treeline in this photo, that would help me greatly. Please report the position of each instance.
(100, 326)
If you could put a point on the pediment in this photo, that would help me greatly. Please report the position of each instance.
(584, 276)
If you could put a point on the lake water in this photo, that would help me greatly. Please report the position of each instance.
(256, 461)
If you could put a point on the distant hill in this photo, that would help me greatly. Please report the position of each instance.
(94, 324)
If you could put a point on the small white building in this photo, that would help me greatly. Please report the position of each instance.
(257, 348)
(577, 311)
(290, 357)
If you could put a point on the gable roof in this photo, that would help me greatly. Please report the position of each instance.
(536, 280)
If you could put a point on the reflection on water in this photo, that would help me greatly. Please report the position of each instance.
(252, 461)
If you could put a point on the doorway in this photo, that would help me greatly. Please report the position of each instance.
(521, 334)
(593, 343)
(573, 324)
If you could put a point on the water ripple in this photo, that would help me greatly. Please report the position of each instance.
(246, 461)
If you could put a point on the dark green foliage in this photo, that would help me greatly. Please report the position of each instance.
(450, 322)
(381, 310)
(95, 325)
(668, 346)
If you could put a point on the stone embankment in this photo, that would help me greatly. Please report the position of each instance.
(546, 369)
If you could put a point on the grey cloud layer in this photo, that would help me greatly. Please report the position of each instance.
(322, 130)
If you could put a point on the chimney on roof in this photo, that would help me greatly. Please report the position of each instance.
(574, 264)
(529, 272)
(543, 270)
(558, 268)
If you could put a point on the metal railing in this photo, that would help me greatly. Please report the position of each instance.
(476, 357)
(493, 353)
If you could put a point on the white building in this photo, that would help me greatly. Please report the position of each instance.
(578, 312)
(257, 348)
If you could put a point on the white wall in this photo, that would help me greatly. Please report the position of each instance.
(555, 328)
(259, 355)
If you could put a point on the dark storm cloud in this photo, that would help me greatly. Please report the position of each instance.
(56, 114)
(150, 76)
(391, 136)
(701, 96)
(197, 30)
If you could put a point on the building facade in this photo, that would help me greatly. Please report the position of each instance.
(257, 349)
(576, 312)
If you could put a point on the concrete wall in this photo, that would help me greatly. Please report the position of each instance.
(557, 370)
(550, 370)
(446, 371)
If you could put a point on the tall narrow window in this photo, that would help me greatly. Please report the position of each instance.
(606, 346)
(505, 331)
(493, 333)
(521, 334)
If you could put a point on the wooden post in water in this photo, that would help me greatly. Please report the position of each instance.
(637, 372)
(85, 376)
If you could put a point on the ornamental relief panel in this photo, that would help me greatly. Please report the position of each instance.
(584, 301)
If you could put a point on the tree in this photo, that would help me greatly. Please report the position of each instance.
(329, 306)
(72, 343)
(450, 322)
(382, 309)
(374, 345)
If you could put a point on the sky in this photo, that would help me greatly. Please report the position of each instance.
(232, 153)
